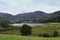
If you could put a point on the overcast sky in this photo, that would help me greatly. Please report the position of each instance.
(21, 6)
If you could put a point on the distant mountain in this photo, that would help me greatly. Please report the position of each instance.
(6, 15)
(31, 15)
(53, 17)
(42, 16)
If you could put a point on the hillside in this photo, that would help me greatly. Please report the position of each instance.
(53, 17)
(6, 15)
(28, 15)
(41, 16)
(31, 15)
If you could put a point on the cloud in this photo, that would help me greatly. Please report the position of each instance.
(20, 6)
(55, 3)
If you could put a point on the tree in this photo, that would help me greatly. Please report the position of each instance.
(4, 24)
(55, 34)
(46, 35)
(26, 30)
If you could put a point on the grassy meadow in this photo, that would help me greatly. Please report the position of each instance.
(14, 34)
(47, 28)
(10, 37)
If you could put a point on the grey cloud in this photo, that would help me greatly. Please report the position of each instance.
(17, 6)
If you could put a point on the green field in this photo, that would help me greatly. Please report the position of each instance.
(10, 37)
(14, 34)
(48, 28)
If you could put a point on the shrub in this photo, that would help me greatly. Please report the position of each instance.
(55, 34)
(40, 35)
(26, 30)
(46, 35)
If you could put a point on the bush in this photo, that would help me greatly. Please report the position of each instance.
(55, 34)
(26, 30)
(40, 35)
(46, 35)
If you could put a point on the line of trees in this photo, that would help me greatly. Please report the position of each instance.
(55, 34)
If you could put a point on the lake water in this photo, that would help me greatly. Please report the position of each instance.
(30, 24)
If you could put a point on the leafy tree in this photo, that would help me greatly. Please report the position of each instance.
(4, 24)
(55, 34)
(26, 30)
